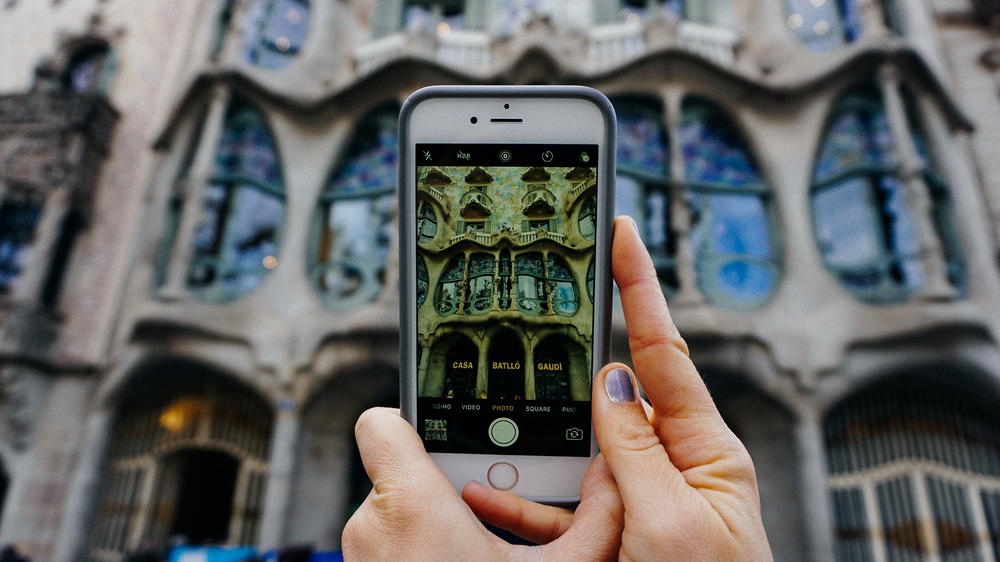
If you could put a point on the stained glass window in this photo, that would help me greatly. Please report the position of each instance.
(826, 24)
(426, 222)
(356, 211)
(897, 444)
(479, 295)
(588, 219)
(422, 281)
(275, 32)
(449, 290)
(18, 219)
(565, 300)
(590, 281)
(730, 234)
(864, 226)
(642, 186)
(532, 296)
(236, 240)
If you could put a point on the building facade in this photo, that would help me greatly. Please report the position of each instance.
(198, 251)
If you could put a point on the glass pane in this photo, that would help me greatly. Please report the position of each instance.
(422, 281)
(713, 152)
(860, 137)
(17, 230)
(251, 238)
(846, 221)
(656, 231)
(628, 197)
(588, 219)
(564, 295)
(246, 149)
(642, 142)
(275, 31)
(449, 291)
(824, 25)
(370, 162)
(425, 14)
(479, 298)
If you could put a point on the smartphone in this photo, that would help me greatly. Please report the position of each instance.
(506, 206)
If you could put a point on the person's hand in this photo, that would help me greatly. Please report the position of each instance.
(414, 513)
(688, 484)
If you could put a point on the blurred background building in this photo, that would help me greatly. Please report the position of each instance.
(198, 271)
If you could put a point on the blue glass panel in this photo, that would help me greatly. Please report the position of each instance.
(253, 236)
(860, 137)
(275, 31)
(824, 25)
(17, 229)
(370, 163)
(732, 241)
(628, 197)
(846, 218)
(642, 142)
(713, 152)
(246, 149)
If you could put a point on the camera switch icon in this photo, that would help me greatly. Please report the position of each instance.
(574, 434)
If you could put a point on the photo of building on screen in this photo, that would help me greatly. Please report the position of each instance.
(505, 282)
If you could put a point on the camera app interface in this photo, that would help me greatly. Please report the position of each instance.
(505, 288)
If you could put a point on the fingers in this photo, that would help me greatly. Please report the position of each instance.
(535, 522)
(641, 466)
(597, 527)
(685, 417)
(596, 524)
(393, 454)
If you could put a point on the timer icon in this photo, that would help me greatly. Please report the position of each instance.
(547, 156)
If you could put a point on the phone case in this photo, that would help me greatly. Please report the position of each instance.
(407, 242)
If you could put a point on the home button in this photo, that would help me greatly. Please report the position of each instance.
(502, 476)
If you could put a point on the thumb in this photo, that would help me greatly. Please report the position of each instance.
(634, 453)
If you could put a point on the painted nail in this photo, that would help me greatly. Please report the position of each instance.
(618, 384)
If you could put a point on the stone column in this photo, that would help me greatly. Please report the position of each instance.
(917, 194)
(529, 371)
(816, 508)
(193, 190)
(281, 468)
(680, 213)
(83, 488)
(482, 368)
(32, 281)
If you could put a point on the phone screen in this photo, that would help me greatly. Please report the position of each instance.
(505, 290)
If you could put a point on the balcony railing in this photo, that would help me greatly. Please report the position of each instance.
(604, 45)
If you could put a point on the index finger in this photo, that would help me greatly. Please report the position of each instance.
(685, 416)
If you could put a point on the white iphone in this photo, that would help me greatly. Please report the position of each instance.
(506, 197)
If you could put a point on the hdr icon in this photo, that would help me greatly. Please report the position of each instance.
(574, 434)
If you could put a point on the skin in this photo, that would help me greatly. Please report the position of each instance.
(672, 481)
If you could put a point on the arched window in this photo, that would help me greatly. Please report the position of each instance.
(588, 219)
(356, 210)
(426, 222)
(565, 300)
(449, 289)
(275, 32)
(864, 226)
(824, 26)
(532, 294)
(89, 69)
(642, 187)
(479, 294)
(730, 234)
(907, 452)
(422, 281)
(236, 241)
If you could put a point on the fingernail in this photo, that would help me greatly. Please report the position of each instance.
(618, 384)
(635, 225)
